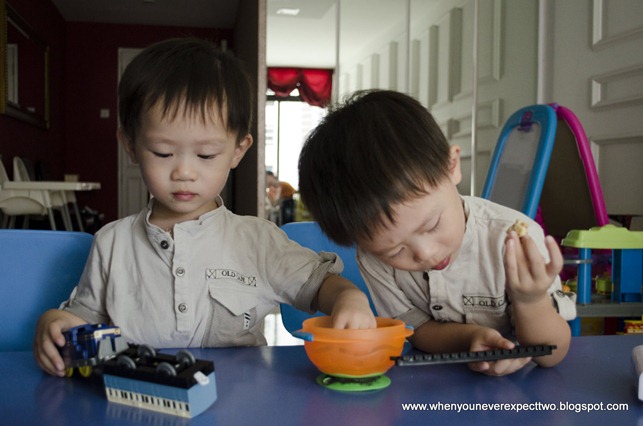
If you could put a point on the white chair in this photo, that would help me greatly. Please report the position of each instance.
(59, 199)
(23, 202)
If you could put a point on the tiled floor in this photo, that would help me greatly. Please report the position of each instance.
(276, 334)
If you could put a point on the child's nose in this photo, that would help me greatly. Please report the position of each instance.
(422, 253)
(183, 171)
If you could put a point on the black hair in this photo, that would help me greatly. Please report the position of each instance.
(186, 75)
(376, 150)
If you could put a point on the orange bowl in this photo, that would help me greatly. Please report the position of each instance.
(353, 352)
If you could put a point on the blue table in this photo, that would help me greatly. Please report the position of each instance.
(276, 385)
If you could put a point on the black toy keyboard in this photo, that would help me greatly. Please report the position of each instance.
(459, 357)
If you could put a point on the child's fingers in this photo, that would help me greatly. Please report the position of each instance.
(514, 258)
(555, 264)
(506, 366)
(479, 367)
(511, 266)
(49, 359)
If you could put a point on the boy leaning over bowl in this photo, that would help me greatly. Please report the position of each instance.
(379, 173)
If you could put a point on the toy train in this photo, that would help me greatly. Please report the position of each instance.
(88, 345)
(139, 376)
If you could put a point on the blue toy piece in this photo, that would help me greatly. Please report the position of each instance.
(520, 159)
(172, 384)
(89, 345)
(310, 235)
(627, 275)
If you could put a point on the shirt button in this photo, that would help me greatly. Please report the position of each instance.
(425, 276)
(180, 271)
(183, 308)
(164, 245)
(436, 307)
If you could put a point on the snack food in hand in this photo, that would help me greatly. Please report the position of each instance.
(520, 227)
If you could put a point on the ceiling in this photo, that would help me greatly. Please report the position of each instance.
(281, 47)
(306, 40)
(180, 13)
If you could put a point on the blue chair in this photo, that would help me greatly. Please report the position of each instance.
(310, 235)
(38, 271)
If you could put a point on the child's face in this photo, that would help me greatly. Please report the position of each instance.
(185, 161)
(428, 229)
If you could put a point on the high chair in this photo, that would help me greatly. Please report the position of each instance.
(59, 199)
(23, 202)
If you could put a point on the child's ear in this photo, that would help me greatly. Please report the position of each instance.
(454, 164)
(240, 150)
(128, 144)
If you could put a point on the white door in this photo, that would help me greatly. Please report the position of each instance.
(132, 194)
(596, 71)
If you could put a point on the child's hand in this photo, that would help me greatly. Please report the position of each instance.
(528, 276)
(488, 339)
(345, 303)
(351, 310)
(49, 337)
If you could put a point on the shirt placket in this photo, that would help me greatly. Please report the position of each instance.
(437, 296)
(182, 301)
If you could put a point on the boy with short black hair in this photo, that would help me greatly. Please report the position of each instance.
(186, 272)
(379, 173)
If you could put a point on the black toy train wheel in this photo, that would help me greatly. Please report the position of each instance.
(126, 361)
(146, 351)
(185, 358)
(166, 368)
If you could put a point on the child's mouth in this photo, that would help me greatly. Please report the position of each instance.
(440, 266)
(184, 196)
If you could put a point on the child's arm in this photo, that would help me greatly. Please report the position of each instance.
(438, 337)
(49, 336)
(528, 279)
(345, 303)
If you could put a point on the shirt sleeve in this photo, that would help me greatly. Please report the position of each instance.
(87, 300)
(296, 273)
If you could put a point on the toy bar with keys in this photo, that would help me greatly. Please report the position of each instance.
(460, 357)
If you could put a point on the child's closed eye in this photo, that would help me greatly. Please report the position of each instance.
(206, 157)
(161, 154)
(432, 228)
(395, 253)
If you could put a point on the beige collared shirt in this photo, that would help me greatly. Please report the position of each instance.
(209, 286)
(472, 288)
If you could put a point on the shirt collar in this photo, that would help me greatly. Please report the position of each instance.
(187, 225)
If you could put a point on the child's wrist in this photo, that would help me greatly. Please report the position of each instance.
(538, 304)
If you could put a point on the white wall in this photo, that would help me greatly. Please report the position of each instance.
(589, 61)
(435, 65)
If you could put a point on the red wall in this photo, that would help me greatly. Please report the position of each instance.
(83, 75)
(26, 140)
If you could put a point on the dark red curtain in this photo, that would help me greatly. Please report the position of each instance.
(315, 85)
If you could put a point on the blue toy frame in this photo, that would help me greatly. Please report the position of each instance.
(523, 121)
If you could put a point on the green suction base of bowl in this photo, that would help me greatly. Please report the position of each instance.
(353, 384)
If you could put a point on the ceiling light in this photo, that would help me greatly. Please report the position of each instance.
(288, 12)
